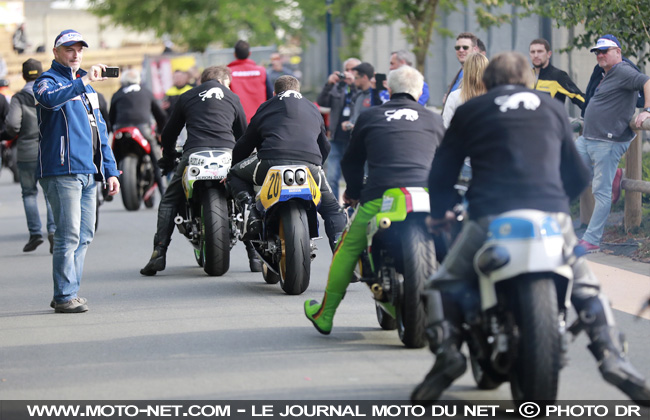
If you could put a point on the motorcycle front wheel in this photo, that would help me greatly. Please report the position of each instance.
(534, 376)
(295, 261)
(215, 232)
(130, 183)
(419, 259)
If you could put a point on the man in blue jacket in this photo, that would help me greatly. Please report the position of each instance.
(73, 154)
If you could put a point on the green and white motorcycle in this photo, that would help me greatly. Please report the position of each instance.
(399, 258)
(208, 219)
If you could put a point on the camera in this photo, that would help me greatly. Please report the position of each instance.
(341, 75)
(111, 72)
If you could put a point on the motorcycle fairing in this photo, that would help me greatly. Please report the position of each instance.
(275, 190)
(206, 165)
(526, 242)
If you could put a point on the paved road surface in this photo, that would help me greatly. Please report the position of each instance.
(183, 335)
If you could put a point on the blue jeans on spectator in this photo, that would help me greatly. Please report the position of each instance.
(602, 158)
(333, 166)
(27, 173)
(73, 200)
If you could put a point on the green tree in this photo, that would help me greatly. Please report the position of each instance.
(628, 20)
(198, 23)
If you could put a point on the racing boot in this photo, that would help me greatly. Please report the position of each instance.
(254, 262)
(253, 220)
(444, 341)
(156, 263)
(322, 314)
(609, 348)
(158, 258)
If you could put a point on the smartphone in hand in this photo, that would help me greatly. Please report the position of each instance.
(111, 72)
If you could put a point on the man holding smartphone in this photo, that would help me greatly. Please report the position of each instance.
(73, 154)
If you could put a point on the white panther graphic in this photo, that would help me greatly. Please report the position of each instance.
(290, 93)
(528, 99)
(131, 88)
(215, 91)
(408, 114)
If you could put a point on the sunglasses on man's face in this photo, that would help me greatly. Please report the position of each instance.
(458, 47)
(603, 52)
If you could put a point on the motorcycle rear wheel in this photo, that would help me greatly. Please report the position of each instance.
(215, 232)
(295, 261)
(386, 322)
(419, 259)
(534, 375)
(130, 183)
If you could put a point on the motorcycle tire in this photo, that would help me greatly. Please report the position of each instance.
(295, 261)
(535, 372)
(484, 378)
(198, 256)
(419, 260)
(269, 276)
(130, 183)
(386, 322)
(215, 232)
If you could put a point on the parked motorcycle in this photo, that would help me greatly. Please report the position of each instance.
(208, 218)
(133, 157)
(399, 257)
(517, 333)
(287, 201)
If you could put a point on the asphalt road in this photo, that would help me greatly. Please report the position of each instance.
(182, 335)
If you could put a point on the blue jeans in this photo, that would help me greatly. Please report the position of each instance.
(73, 200)
(27, 173)
(602, 158)
(333, 166)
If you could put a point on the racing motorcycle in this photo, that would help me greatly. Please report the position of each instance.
(138, 181)
(399, 257)
(287, 201)
(517, 333)
(208, 219)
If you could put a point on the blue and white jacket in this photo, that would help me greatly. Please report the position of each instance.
(65, 133)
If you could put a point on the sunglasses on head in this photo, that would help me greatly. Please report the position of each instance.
(458, 47)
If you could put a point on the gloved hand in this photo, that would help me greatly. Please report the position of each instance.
(166, 164)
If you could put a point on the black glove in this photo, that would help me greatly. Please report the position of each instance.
(166, 164)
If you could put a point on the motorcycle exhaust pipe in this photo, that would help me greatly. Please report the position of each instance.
(377, 291)
(384, 223)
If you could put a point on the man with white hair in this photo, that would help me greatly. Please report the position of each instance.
(398, 59)
(397, 140)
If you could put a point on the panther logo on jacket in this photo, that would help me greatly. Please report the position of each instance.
(529, 100)
(131, 88)
(408, 114)
(215, 92)
(289, 94)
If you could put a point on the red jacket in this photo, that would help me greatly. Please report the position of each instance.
(249, 83)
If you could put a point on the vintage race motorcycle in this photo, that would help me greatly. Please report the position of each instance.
(138, 181)
(287, 200)
(208, 219)
(399, 257)
(517, 333)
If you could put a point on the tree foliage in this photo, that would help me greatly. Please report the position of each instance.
(628, 20)
(198, 23)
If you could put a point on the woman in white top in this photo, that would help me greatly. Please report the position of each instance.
(470, 87)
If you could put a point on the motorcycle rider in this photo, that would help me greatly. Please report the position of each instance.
(398, 141)
(132, 106)
(523, 157)
(287, 129)
(214, 118)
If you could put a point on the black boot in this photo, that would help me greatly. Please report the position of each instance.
(253, 220)
(450, 363)
(156, 263)
(608, 347)
(254, 261)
